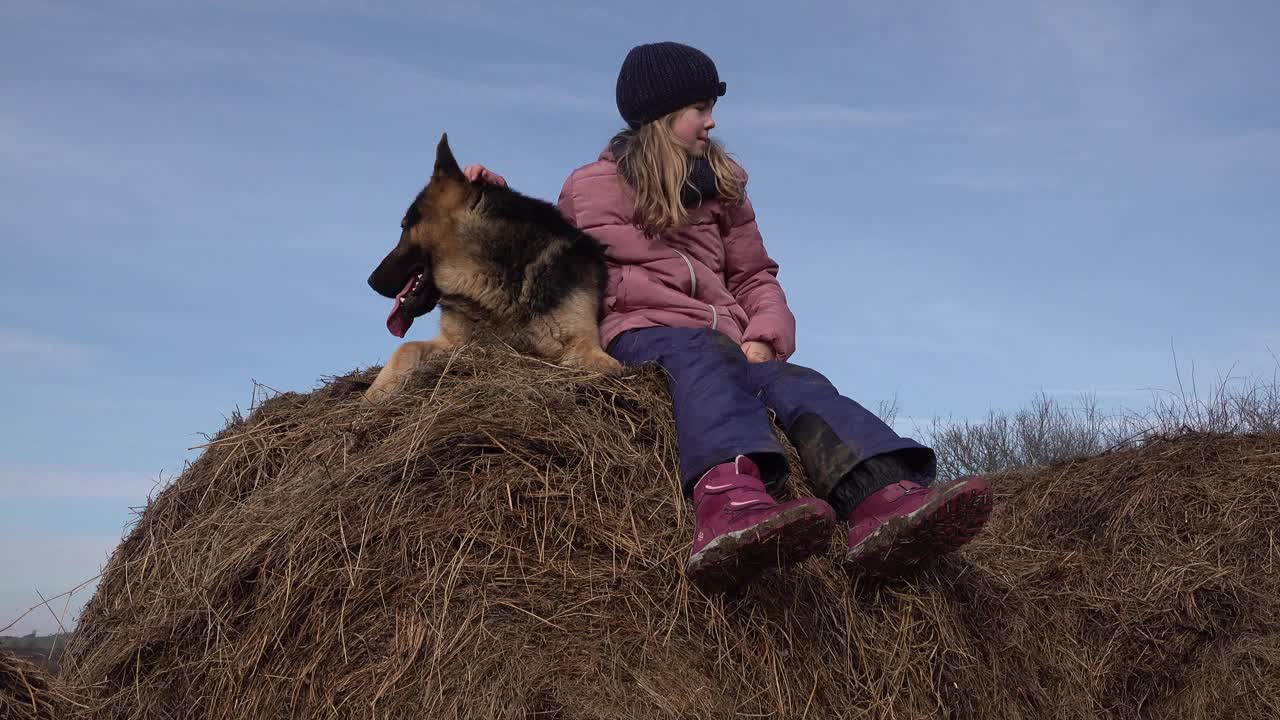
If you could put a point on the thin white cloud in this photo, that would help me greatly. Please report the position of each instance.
(29, 151)
(279, 57)
(980, 180)
(547, 24)
(46, 483)
(34, 13)
(1258, 149)
(1099, 37)
(824, 115)
(23, 347)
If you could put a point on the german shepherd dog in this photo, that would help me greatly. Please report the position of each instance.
(493, 260)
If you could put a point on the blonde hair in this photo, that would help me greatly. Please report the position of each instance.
(658, 169)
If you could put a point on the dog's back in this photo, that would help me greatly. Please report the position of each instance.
(539, 257)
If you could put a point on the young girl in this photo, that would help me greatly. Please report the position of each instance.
(692, 289)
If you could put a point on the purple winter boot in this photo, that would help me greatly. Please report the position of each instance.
(740, 530)
(906, 523)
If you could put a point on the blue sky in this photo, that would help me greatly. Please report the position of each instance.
(971, 202)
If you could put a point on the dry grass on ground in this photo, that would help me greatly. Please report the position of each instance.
(507, 540)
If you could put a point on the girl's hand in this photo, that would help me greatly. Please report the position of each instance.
(758, 352)
(483, 174)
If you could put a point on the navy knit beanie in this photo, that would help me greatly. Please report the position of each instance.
(660, 78)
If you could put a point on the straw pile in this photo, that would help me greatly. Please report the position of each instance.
(27, 692)
(507, 540)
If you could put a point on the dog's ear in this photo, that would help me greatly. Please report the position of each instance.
(446, 166)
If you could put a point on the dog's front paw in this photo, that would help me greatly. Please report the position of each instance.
(376, 396)
(606, 365)
(595, 362)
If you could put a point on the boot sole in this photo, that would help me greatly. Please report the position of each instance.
(942, 525)
(733, 559)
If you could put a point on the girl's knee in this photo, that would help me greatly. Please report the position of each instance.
(793, 374)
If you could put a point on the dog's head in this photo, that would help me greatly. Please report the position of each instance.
(405, 273)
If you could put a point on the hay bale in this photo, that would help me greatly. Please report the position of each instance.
(29, 693)
(507, 540)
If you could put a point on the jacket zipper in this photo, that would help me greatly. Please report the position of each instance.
(693, 288)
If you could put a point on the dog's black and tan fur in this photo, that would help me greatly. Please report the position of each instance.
(498, 261)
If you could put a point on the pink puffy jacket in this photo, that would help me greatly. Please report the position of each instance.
(713, 272)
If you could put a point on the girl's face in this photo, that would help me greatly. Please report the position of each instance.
(692, 127)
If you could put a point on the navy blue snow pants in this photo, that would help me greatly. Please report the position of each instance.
(721, 405)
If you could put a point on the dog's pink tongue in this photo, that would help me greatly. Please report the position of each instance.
(398, 321)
